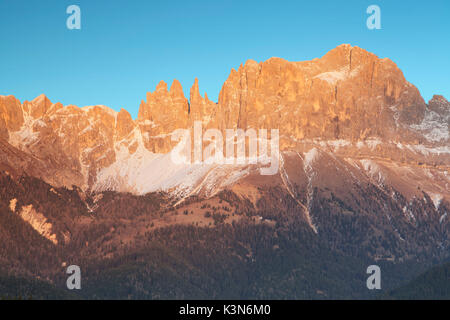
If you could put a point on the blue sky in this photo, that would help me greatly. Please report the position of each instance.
(124, 48)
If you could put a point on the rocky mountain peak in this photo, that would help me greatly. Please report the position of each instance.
(439, 104)
(161, 87)
(176, 90)
(39, 106)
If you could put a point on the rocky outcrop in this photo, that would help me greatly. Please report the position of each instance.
(38, 221)
(11, 115)
(347, 94)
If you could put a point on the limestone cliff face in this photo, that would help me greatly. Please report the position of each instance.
(347, 95)
(74, 142)
(165, 111)
(162, 113)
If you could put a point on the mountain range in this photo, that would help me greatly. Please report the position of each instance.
(363, 179)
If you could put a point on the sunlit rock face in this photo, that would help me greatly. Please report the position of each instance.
(347, 94)
(38, 222)
(349, 102)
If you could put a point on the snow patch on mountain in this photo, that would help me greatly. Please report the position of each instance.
(219, 177)
(144, 172)
(420, 148)
(311, 156)
(436, 198)
(373, 169)
(442, 218)
(25, 136)
(373, 143)
(332, 77)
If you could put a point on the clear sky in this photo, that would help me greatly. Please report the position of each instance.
(124, 48)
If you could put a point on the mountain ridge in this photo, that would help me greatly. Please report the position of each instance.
(349, 101)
